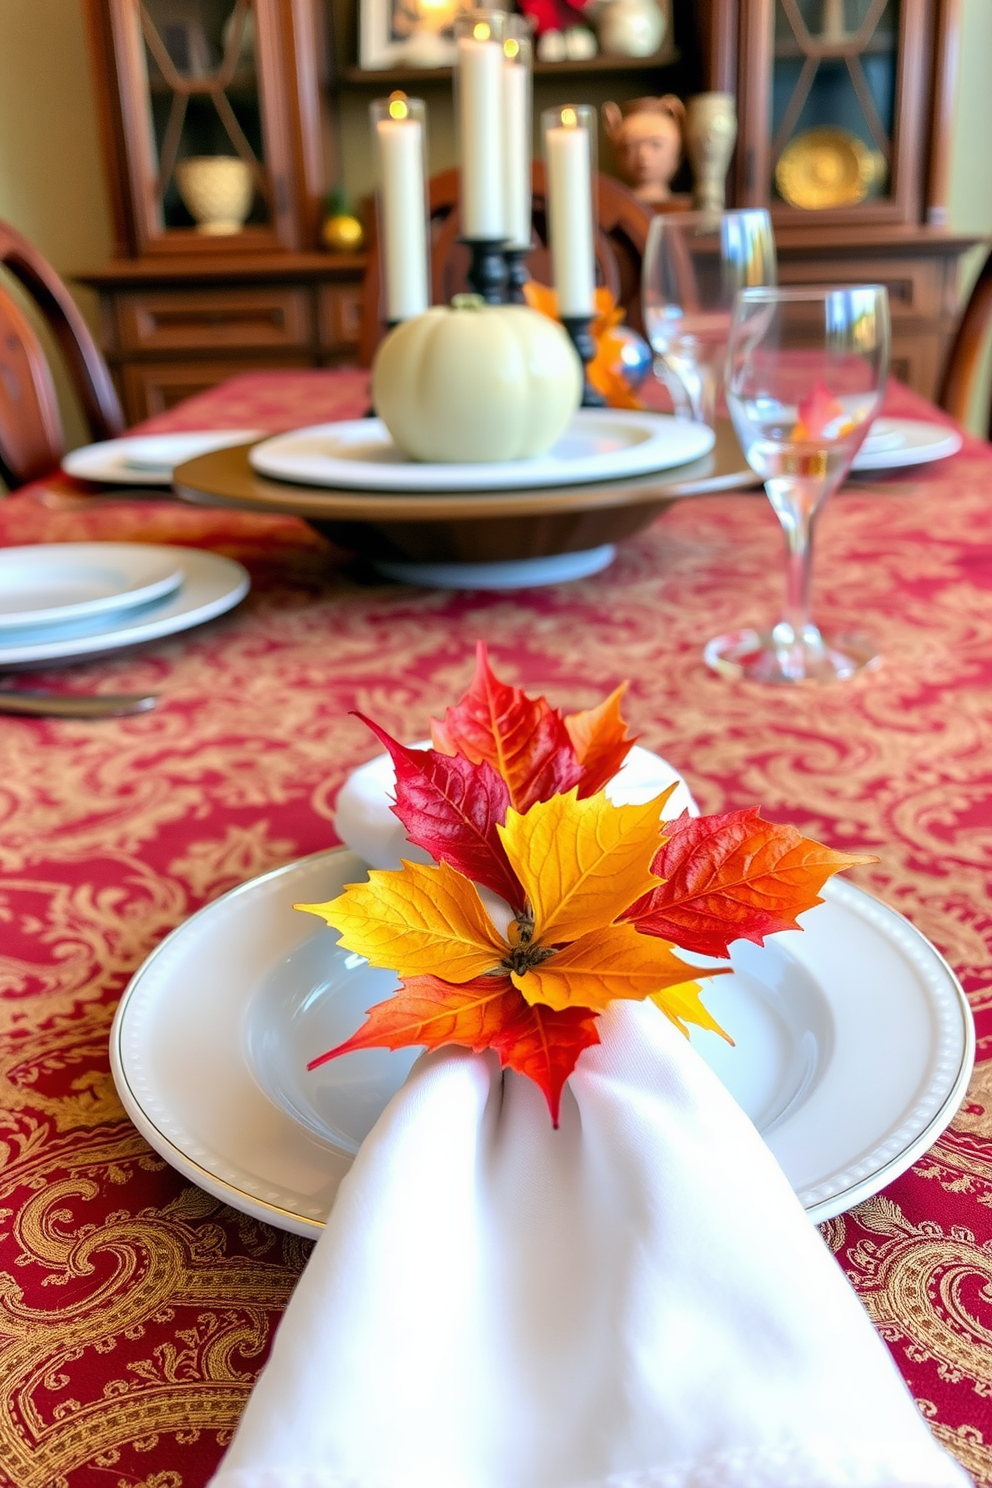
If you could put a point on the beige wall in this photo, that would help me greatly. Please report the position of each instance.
(51, 180)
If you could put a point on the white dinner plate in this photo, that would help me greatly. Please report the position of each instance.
(53, 583)
(209, 585)
(148, 459)
(599, 444)
(854, 1046)
(893, 443)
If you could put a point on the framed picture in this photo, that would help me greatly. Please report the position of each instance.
(407, 33)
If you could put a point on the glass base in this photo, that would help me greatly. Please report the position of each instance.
(771, 656)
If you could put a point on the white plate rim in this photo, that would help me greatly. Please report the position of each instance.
(945, 441)
(221, 581)
(863, 1179)
(125, 599)
(644, 458)
(104, 461)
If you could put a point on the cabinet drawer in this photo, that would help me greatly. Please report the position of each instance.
(215, 320)
(152, 387)
(339, 316)
(916, 286)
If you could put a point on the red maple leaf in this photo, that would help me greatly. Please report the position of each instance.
(524, 739)
(487, 1013)
(601, 742)
(733, 877)
(451, 808)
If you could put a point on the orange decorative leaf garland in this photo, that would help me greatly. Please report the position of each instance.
(592, 900)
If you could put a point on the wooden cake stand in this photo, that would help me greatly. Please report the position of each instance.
(475, 527)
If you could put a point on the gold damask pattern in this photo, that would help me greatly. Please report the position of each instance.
(135, 1311)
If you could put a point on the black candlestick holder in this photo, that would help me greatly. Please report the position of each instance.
(516, 274)
(487, 271)
(579, 329)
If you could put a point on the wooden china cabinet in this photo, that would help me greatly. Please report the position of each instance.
(844, 123)
(184, 306)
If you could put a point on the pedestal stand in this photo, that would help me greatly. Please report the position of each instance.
(578, 328)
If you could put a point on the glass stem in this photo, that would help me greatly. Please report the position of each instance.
(798, 573)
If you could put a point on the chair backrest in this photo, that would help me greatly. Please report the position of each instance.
(623, 230)
(31, 438)
(966, 359)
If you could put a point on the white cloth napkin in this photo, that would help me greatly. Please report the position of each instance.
(364, 822)
(634, 1301)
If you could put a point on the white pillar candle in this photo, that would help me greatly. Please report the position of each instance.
(573, 258)
(516, 156)
(402, 221)
(480, 107)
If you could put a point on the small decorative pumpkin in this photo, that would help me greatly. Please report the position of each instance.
(341, 231)
(475, 382)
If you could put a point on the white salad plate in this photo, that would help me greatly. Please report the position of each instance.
(854, 1046)
(599, 444)
(894, 443)
(54, 583)
(148, 459)
(209, 585)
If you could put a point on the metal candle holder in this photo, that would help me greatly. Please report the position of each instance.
(578, 328)
(516, 274)
(487, 271)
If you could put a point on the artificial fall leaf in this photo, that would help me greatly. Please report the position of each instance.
(612, 962)
(683, 1004)
(732, 877)
(416, 921)
(524, 739)
(485, 1013)
(582, 863)
(451, 807)
(817, 413)
(601, 742)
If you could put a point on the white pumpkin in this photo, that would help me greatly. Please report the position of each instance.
(476, 382)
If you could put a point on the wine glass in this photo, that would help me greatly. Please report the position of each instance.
(805, 376)
(694, 264)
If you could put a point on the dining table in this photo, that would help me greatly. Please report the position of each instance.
(136, 1309)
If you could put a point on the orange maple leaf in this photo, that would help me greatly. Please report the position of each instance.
(486, 1013)
(601, 742)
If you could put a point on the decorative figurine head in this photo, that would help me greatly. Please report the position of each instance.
(646, 135)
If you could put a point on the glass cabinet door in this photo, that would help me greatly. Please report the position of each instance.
(837, 97)
(202, 98)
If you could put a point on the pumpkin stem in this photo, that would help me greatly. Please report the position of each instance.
(467, 302)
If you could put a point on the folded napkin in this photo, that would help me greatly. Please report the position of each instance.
(636, 1300)
(363, 819)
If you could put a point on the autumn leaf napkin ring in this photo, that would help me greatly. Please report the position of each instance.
(547, 901)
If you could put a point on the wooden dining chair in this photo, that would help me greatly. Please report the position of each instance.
(966, 360)
(623, 224)
(31, 436)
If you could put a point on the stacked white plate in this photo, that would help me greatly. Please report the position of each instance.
(69, 601)
(148, 459)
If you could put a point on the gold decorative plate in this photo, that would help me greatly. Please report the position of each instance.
(827, 167)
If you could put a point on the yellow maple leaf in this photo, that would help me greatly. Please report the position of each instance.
(582, 863)
(605, 964)
(682, 1004)
(415, 921)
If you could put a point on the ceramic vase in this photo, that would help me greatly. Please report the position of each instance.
(217, 190)
(631, 28)
(710, 135)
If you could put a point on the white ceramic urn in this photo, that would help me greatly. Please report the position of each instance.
(631, 28)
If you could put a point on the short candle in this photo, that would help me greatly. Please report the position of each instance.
(570, 218)
(403, 228)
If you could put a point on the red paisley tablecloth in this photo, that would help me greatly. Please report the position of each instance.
(135, 1310)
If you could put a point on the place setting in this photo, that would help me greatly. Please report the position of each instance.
(75, 601)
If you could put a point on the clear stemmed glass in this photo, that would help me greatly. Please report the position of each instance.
(805, 376)
(694, 264)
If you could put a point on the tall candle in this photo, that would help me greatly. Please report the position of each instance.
(480, 108)
(573, 258)
(402, 219)
(516, 154)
